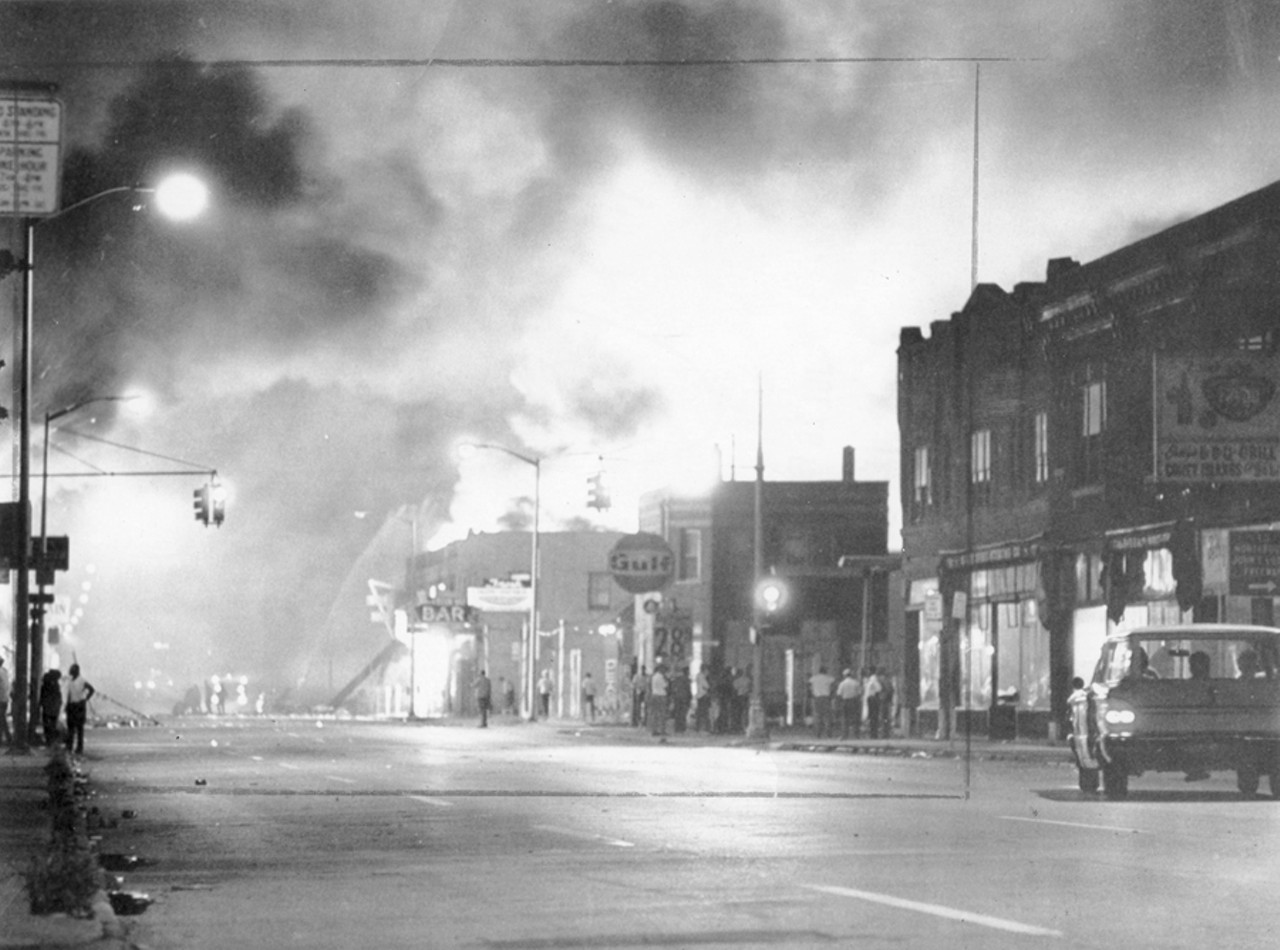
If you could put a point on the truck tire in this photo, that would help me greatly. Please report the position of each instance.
(1115, 781)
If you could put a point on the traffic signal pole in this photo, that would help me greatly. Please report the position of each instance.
(756, 727)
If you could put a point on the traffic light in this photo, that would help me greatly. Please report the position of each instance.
(598, 493)
(772, 594)
(201, 504)
(218, 499)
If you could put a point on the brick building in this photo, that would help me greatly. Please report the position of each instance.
(807, 528)
(1082, 453)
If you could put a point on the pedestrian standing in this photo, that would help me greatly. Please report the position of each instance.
(886, 702)
(509, 695)
(639, 695)
(871, 689)
(658, 687)
(724, 696)
(820, 686)
(681, 698)
(849, 695)
(484, 697)
(79, 692)
(50, 705)
(546, 685)
(5, 735)
(588, 698)
(741, 699)
(702, 701)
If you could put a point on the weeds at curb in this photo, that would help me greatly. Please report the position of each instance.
(67, 877)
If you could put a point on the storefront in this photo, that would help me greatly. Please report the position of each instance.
(989, 602)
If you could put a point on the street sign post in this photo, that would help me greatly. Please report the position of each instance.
(30, 147)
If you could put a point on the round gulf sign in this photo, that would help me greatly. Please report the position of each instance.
(641, 563)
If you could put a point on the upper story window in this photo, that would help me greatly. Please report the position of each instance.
(1095, 407)
(1040, 425)
(599, 590)
(922, 478)
(690, 554)
(1093, 423)
(980, 458)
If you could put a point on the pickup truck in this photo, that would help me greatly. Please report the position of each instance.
(1195, 698)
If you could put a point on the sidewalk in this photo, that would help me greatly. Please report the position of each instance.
(25, 830)
(802, 739)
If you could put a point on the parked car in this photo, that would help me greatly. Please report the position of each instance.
(1195, 698)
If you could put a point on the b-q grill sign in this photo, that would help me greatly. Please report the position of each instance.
(641, 563)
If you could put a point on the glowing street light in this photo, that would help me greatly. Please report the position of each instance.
(181, 197)
(466, 450)
(178, 196)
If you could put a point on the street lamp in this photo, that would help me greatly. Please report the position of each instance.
(42, 570)
(529, 687)
(187, 198)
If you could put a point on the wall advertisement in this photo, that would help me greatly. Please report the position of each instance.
(1217, 418)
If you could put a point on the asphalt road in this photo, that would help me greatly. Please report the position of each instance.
(323, 834)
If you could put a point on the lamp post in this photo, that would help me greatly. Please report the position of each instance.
(527, 675)
(413, 634)
(181, 197)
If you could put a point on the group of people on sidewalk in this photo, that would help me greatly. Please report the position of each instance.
(855, 701)
(669, 698)
(716, 701)
(52, 707)
(506, 690)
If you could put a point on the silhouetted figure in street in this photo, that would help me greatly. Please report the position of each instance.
(545, 687)
(79, 692)
(849, 695)
(681, 698)
(588, 698)
(484, 697)
(639, 696)
(50, 705)
(659, 686)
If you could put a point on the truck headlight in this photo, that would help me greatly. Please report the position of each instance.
(1118, 717)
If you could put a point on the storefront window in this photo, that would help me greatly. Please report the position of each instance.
(976, 650)
(1035, 662)
(1009, 657)
(1022, 656)
(929, 667)
(1158, 568)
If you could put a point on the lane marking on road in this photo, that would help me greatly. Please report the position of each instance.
(1070, 824)
(586, 835)
(339, 778)
(937, 910)
(290, 765)
(438, 802)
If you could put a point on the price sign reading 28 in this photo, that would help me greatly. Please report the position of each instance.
(672, 642)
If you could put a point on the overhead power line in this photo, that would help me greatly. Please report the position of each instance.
(503, 62)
